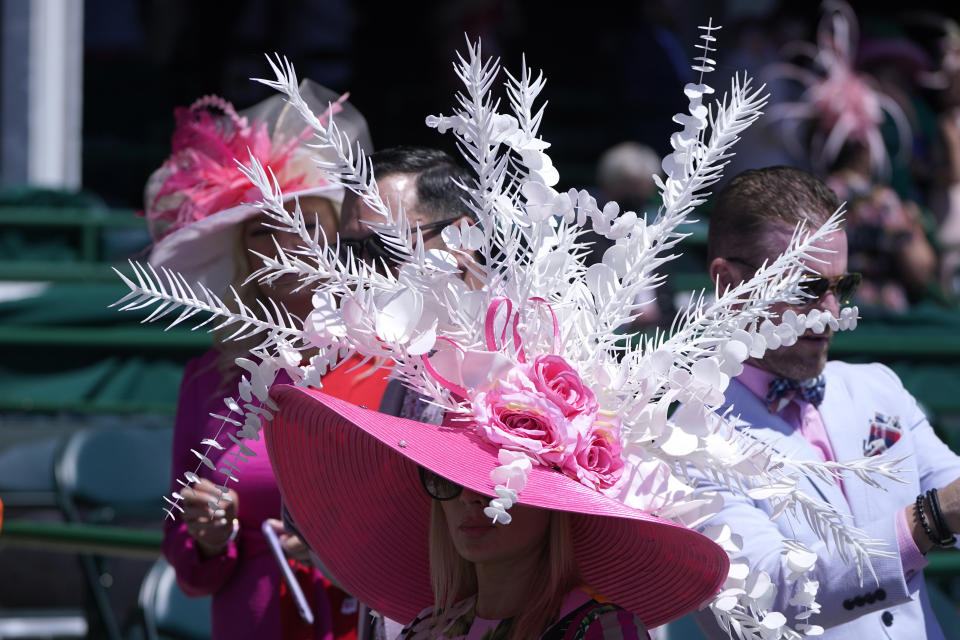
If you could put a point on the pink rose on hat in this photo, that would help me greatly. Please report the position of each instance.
(559, 382)
(545, 410)
(599, 462)
(514, 415)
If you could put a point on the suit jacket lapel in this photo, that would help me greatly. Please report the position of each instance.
(773, 429)
(847, 438)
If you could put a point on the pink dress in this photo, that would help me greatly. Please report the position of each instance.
(245, 581)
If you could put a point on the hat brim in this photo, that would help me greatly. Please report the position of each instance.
(202, 252)
(348, 476)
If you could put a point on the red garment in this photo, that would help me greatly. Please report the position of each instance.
(292, 626)
(362, 386)
(343, 612)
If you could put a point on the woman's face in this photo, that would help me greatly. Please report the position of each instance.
(258, 237)
(480, 541)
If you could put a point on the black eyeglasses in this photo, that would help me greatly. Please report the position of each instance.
(373, 249)
(438, 487)
(842, 286)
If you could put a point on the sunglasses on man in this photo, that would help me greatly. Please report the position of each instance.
(372, 249)
(842, 286)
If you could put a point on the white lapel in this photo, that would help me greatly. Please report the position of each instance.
(848, 432)
(774, 430)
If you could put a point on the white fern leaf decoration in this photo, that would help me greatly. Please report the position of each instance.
(168, 290)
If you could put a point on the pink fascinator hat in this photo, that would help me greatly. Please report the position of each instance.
(194, 201)
(841, 104)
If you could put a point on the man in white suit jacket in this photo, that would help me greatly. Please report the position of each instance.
(859, 410)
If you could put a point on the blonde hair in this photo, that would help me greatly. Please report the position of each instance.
(249, 293)
(455, 579)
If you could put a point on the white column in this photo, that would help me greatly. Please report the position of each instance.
(55, 93)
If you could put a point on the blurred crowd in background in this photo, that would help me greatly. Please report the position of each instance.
(614, 73)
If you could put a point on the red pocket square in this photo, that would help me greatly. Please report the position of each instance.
(885, 431)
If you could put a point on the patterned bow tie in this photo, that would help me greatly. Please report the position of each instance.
(782, 391)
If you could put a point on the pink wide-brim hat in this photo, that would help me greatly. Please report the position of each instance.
(348, 477)
(195, 233)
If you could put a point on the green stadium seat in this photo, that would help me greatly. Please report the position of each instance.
(110, 475)
(166, 612)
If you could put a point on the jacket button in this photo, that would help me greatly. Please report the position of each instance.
(859, 601)
(882, 595)
(847, 604)
(871, 597)
(887, 618)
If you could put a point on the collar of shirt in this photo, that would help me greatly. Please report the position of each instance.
(757, 380)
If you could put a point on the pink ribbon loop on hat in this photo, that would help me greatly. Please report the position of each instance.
(489, 325)
(518, 342)
(511, 323)
(445, 382)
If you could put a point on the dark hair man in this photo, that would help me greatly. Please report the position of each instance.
(811, 409)
(423, 182)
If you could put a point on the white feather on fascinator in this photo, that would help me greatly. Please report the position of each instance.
(840, 104)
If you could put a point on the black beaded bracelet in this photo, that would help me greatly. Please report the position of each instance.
(923, 522)
(947, 539)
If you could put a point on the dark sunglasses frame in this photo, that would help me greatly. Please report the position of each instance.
(438, 487)
(373, 248)
(843, 286)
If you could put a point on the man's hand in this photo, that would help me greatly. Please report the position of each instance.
(211, 526)
(950, 505)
